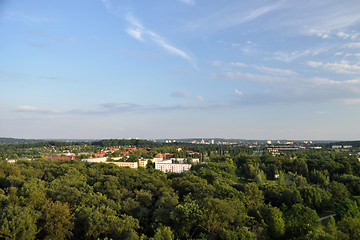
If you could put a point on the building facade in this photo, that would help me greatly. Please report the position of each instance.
(172, 167)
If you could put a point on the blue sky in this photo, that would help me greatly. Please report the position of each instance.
(180, 68)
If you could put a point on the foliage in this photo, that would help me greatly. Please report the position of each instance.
(232, 195)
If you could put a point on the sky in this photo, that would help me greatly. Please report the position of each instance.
(250, 69)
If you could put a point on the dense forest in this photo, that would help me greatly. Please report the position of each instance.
(232, 194)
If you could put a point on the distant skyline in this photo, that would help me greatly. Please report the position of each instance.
(256, 69)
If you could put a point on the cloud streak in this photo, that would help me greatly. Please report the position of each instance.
(140, 33)
(231, 16)
(342, 67)
(32, 109)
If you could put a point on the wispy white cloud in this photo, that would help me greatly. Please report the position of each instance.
(339, 67)
(312, 91)
(186, 95)
(219, 63)
(276, 71)
(352, 45)
(353, 35)
(139, 32)
(268, 70)
(352, 55)
(231, 16)
(191, 2)
(291, 56)
(238, 64)
(320, 33)
(27, 108)
(249, 77)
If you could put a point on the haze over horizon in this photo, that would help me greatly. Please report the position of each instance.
(180, 69)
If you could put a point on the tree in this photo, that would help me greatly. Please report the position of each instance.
(253, 195)
(164, 206)
(348, 208)
(300, 220)
(18, 223)
(339, 193)
(291, 197)
(93, 223)
(57, 221)
(272, 217)
(189, 216)
(351, 227)
(163, 233)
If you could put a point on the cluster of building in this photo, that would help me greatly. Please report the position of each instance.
(212, 141)
(341, 146)
(163, 162)
(101, 154)
(174, 165)
(63, 156)
(140, 163)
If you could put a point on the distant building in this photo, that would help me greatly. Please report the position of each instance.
(268, 142)
(97, 160)
(172, 167)
(99, 155)
(336, 146)
(164, 155)
(316, 147)
(155, 160)
(143, 163)
(196, 160)
(125, 164)
(67, 156)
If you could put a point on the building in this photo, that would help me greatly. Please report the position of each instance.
(125, 164)
(97, 160)
(172, 167)
(164, 155)
(178, 160)
(195, 160)
(155, 160)
(143, 163)
(63, 156)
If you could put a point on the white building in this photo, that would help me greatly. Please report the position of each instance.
(103, 159)
(196, 160)
(172, 167)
